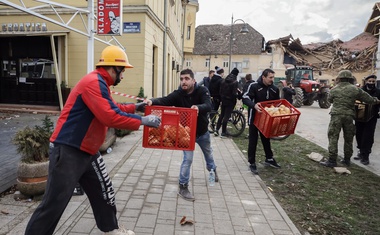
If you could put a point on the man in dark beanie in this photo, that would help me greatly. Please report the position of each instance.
(235, 72)
(228, 94)
(342, 113)
(365, 129)
(214, 88)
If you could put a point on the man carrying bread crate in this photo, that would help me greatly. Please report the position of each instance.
(262, 90)
(191, 95)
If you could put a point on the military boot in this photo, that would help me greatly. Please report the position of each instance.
(329, 163)
(185, 193)
(346, 161)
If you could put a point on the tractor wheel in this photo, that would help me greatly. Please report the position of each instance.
(323, 102)
(308, 102)
(280, 87)
(298, 98)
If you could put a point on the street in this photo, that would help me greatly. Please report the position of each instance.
(312, 125)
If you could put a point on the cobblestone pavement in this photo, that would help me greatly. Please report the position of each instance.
(146, 182)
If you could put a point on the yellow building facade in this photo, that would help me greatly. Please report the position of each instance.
(60, 35)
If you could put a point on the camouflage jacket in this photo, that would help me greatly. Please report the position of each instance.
(343, 97)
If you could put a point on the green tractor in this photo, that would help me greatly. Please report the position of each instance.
(306, 87)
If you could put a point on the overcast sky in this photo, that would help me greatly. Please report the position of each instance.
(308, 20)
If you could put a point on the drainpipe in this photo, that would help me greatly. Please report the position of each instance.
(164, 47)
(183, 34)
(378, 58)
(90, 40)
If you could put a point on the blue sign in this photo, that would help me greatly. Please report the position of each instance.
(131, 27)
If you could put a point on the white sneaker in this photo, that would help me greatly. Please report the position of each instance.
(120, 231)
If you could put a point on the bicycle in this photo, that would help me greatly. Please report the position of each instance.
(235, 125)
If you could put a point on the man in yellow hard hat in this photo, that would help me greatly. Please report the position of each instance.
(74, 150)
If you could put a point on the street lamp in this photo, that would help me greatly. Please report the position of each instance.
(244, 30)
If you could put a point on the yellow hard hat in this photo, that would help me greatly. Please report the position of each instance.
(114, 56)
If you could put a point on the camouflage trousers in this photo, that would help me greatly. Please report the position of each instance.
(337, 123)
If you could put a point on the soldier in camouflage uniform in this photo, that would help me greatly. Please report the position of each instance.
(343, 97)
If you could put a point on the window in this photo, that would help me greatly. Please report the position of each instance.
(245, 64)
(225, 64)
(188, 32)
(188, 63)
(207, 64)
(237, 65)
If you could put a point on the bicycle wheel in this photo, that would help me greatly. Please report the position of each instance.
(279, 138)
(213, 119)
(236, 124)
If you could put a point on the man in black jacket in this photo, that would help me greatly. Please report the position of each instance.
(262, 90)
(228, 93)
(214, 88)
(365, 131)
(190, 95)
(289, 92)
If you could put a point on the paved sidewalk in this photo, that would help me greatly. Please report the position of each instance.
(146, 182)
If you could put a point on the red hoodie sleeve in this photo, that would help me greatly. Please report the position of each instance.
(98, 99)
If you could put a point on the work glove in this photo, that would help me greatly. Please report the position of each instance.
(151, 120)
(140, 106)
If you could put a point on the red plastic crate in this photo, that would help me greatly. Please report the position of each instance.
(272, 126)
(177, 130)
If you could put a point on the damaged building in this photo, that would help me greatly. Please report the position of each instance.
(358, 54)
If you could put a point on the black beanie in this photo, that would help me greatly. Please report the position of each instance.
(370, 76)
(235, 71)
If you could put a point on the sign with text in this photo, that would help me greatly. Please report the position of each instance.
(131, 27)
(109, 17)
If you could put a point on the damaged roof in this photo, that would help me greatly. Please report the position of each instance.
(355, 54)
(360, 42)
(373, 22)
(215, 40)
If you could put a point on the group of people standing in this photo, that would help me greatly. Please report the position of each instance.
(224, 93)
(343, 97)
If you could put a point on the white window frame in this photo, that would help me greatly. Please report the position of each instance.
(245, 64)
(225, 64)
(207, 63)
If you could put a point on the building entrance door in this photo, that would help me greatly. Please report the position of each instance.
(27, 71)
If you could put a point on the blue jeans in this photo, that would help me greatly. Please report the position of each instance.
(204, 143)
